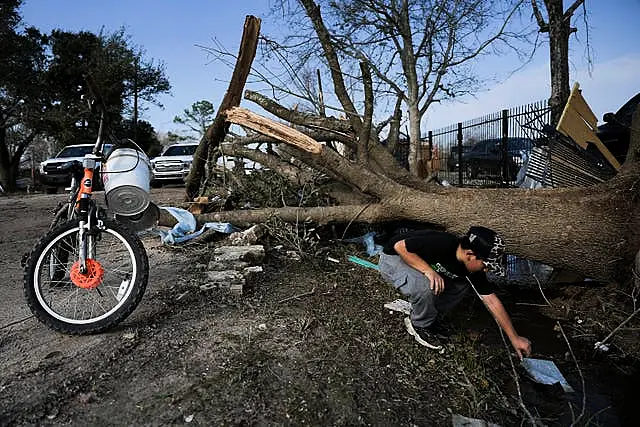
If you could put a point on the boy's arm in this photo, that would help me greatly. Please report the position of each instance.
(413, 260)
(521, 344)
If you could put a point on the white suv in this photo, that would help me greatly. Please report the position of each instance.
(173, 164)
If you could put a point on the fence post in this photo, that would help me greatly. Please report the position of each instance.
(460, 163)
(506, 175)
(430, 145)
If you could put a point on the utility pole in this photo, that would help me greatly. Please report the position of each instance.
(135, 100)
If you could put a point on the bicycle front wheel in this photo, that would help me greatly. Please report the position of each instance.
(74, 303)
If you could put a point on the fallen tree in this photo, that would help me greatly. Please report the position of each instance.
(593, 231)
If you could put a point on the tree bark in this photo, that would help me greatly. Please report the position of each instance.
(559, 31)
(217, 131)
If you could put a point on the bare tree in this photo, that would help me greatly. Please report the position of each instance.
(418, 52)
(558, 25)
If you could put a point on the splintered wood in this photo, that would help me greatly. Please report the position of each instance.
(279, 131)
(199, 205)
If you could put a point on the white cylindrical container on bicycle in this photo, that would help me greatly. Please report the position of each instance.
(126, 176)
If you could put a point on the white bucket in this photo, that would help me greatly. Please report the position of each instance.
(126, 177)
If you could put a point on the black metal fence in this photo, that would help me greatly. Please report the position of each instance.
(487, 151)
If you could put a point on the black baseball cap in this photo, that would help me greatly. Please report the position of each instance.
(489, 247)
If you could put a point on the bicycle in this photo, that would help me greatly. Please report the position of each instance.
(89, 272)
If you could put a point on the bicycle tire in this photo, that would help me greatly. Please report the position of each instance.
(56, 270)
(66, 307)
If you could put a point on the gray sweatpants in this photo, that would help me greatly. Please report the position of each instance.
(425, 305)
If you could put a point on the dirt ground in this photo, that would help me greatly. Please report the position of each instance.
(308, 343)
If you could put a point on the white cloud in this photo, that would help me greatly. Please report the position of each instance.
(610, 85)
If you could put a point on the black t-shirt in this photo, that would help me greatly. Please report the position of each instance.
(438, 249)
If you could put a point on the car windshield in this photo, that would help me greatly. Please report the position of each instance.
(75, 151)
(483, 146)
(81, 151)
(494, 144)
(181, 150)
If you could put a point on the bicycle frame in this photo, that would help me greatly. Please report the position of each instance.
(84, 205)
(85, 208)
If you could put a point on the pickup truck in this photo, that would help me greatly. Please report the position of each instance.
(51, 178)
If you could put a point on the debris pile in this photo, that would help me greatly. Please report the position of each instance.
(232, 266)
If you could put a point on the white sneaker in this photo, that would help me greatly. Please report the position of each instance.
(423, 336)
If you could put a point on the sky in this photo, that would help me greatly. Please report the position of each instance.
(173, 32)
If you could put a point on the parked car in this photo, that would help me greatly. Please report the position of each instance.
(485, 157)
(52, 178)
(614, 133)
(173, 164)
(452, 160)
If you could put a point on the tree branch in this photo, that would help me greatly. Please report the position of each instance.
(292, 173)
(279, 131)
(542, 25)
(313, 12)
(381, 157)
(331, 124)
(487, 42)
(365, 133)
(321, 215)
(571, 9)
(216, 132)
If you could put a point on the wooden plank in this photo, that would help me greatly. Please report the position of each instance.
(572, 125)
(576, 128)
(583, 109)
(576, 87)
(579, 123)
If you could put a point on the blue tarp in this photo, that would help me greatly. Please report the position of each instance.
(185, 229)
(371, 247)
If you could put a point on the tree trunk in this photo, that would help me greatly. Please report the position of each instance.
(559, 32)
(7, 171)
(414, 139)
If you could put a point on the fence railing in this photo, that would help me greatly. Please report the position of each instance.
(488, 150)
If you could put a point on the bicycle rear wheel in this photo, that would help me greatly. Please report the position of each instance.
(73, 303)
